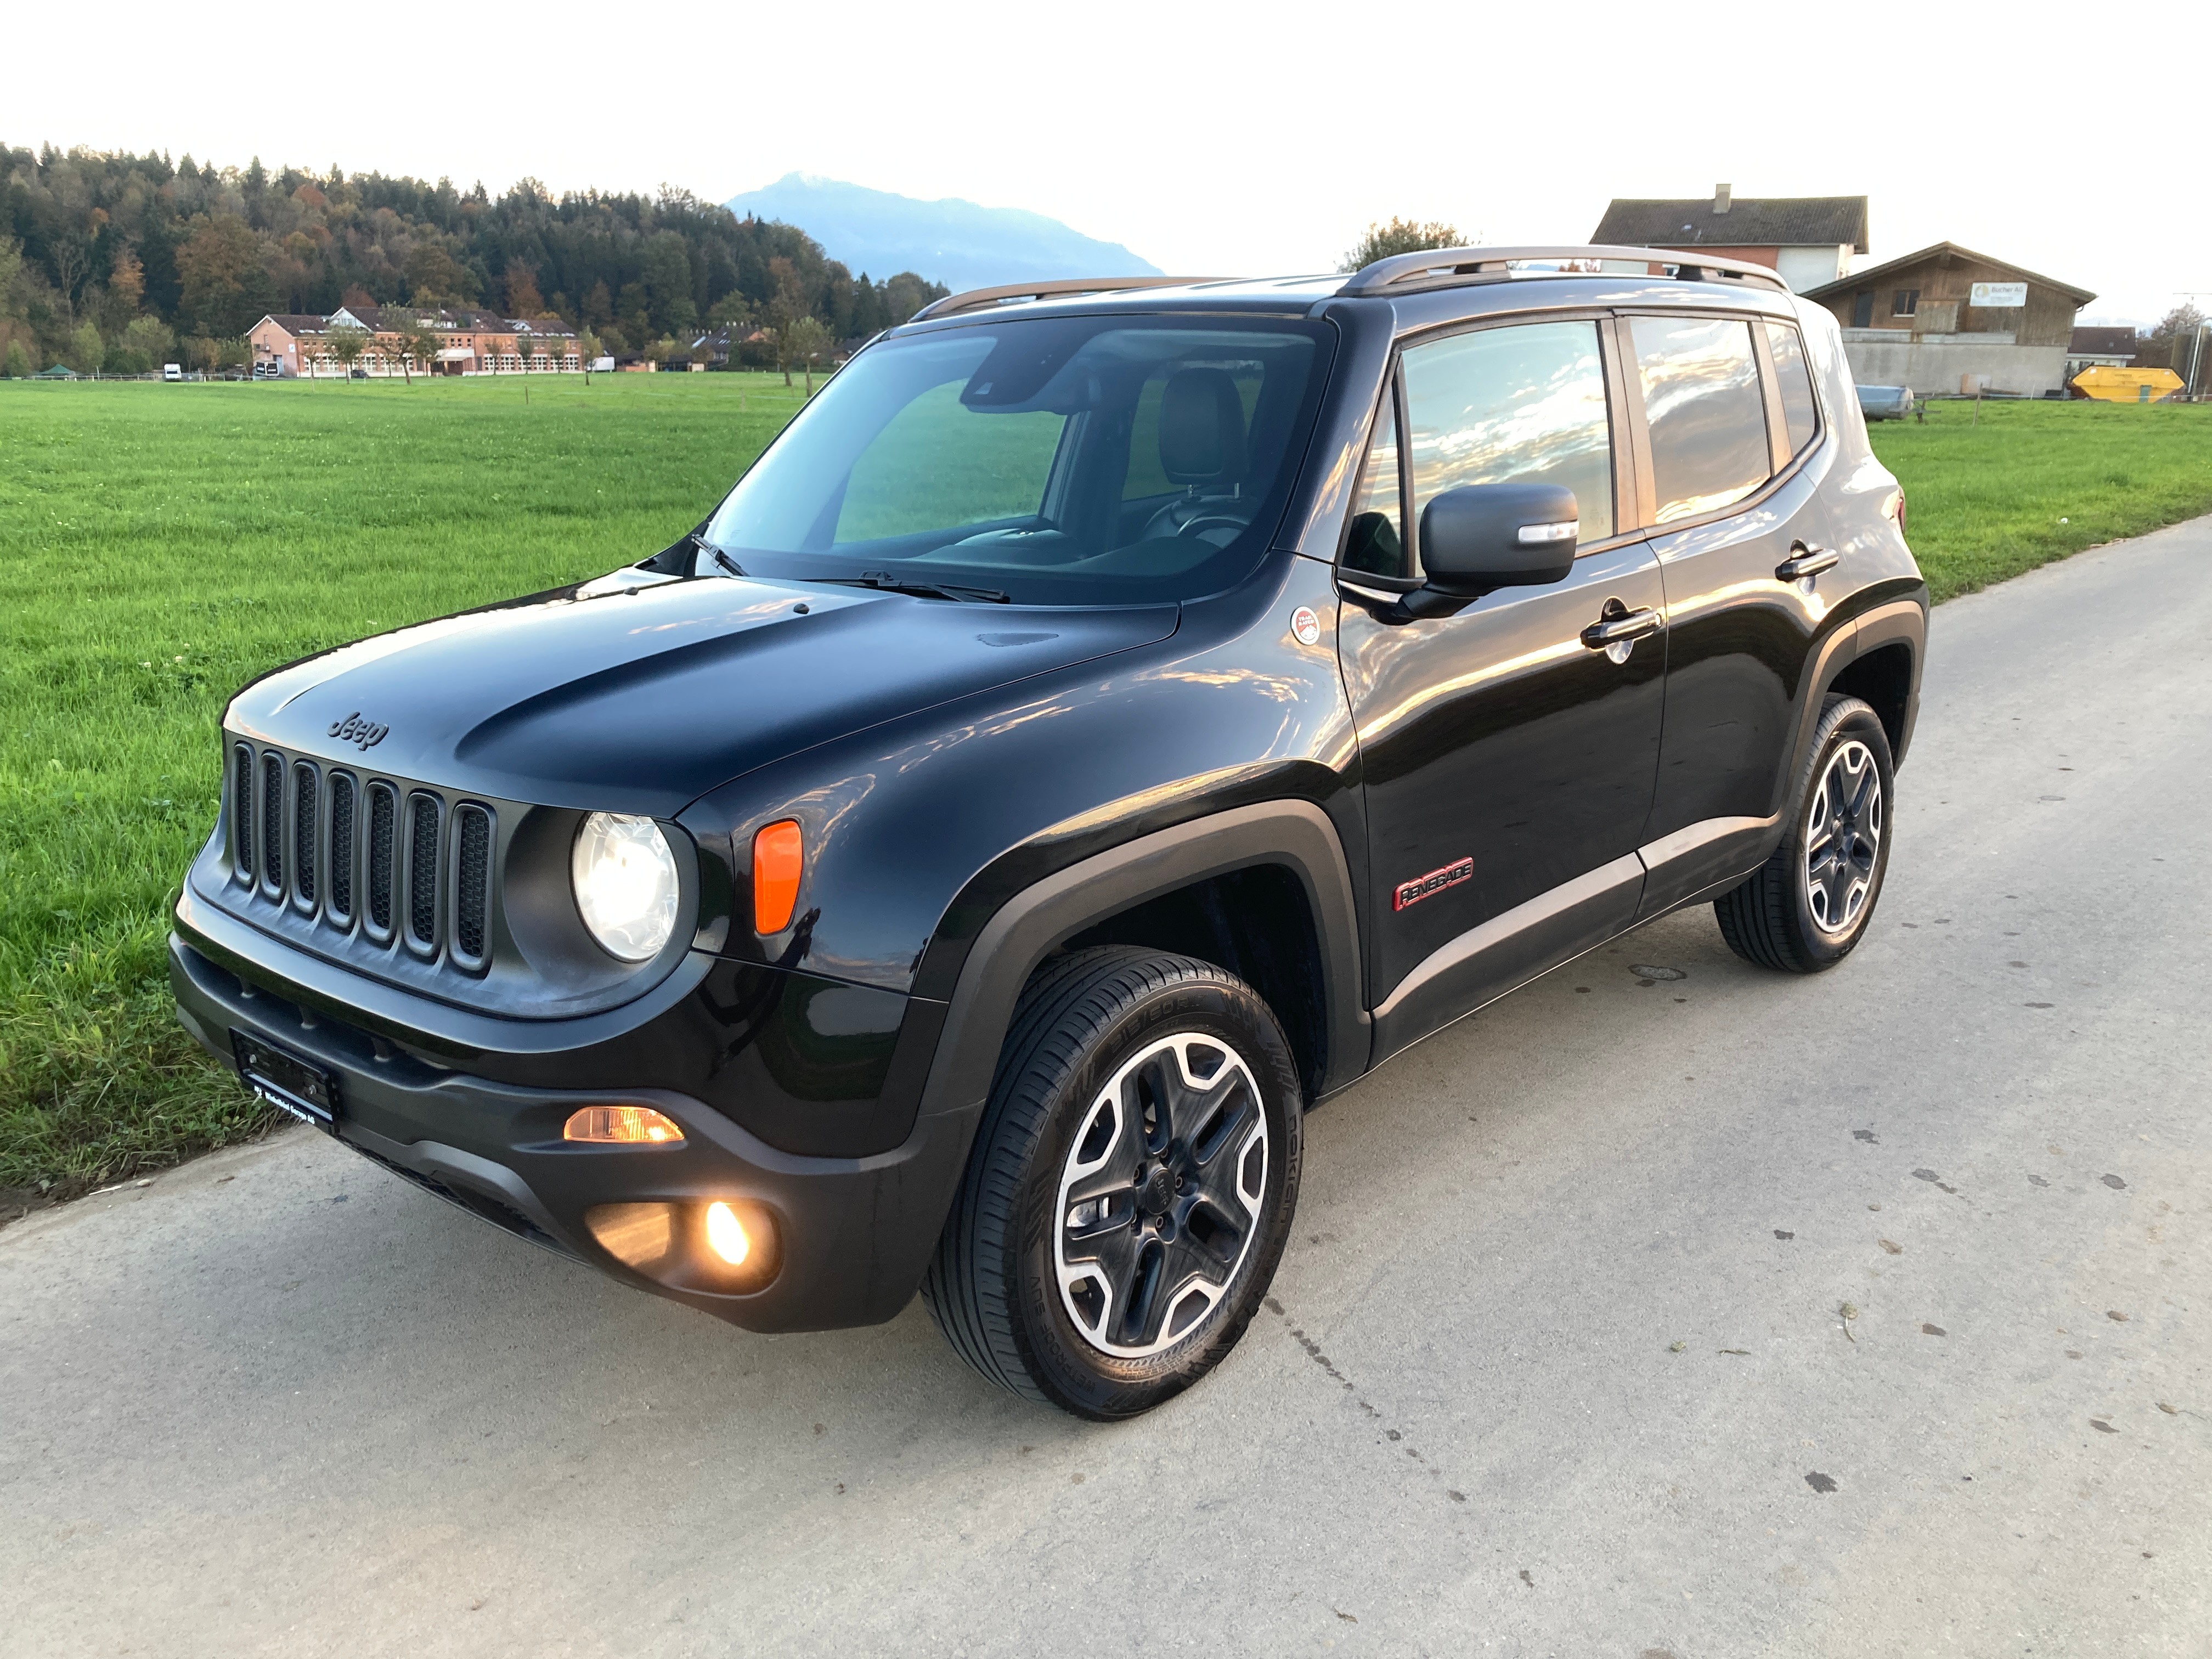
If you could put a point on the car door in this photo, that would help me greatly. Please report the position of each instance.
(1725, 412)
(1507, 761)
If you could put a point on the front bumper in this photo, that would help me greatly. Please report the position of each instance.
(856, 1232)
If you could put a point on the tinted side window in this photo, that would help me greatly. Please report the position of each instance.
(1376, 544)
(1794, 378)
(1702, 402)
(1521, 405)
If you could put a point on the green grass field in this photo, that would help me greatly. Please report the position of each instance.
(2023, 483)
(160, 544)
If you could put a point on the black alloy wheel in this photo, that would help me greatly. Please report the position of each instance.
(1809, 905)
(1843, 838)
(1131, 1186)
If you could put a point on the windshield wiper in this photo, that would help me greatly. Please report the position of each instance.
(724, 561)
(886, 581)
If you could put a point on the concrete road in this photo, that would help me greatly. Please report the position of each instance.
(1557, 1362)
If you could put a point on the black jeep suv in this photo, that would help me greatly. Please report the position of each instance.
(1112, 718)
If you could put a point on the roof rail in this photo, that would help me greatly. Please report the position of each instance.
(1450, 267)
(982, 299)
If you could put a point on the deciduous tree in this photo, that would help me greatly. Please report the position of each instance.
(435, 277)
(807, 342)
(346, 344)
(1400, 236)
(226, 288)
(411, 341)
(126, 289)
(149, 342)
(523, 299)
(88, 351)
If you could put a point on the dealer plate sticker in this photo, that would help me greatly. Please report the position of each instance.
(301, 1087)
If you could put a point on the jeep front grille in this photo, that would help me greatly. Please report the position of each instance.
(383, 808)
(272, 821)
(306, 798)
(340, 902)
(422, 870)
(315, 838)
(472, 870)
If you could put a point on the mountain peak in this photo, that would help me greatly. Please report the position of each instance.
(952, 241)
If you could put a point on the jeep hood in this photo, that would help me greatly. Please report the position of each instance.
(642, 698)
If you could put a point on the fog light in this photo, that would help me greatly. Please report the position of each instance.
(726, 1247)
(725, 1235)
(638, 1235)
(639, 1124)
(734, 1247)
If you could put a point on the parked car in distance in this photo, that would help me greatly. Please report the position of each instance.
(268, 370)
(1884, 403)
(1112, 718)
(173, 371)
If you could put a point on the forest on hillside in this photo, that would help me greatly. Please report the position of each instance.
(120, 262)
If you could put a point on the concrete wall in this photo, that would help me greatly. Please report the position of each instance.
(1886, 357)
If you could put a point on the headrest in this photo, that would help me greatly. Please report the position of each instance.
(1201, 428)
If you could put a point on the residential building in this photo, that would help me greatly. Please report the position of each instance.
(291, 340)
(1808, 241)
(2100, 346)
(470, 342)
(1948, 319)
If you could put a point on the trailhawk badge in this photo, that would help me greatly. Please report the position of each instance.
(364, 734)
(1413, 891)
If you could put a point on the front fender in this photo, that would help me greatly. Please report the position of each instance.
(983, 975)
(924, 835)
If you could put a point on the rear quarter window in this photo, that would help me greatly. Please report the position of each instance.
(1706, 415)
(1793, 377)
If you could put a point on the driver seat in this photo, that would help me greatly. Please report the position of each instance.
(1201, 446)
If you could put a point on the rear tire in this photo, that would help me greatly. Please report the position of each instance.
(1131, 1189)
(1808, 905)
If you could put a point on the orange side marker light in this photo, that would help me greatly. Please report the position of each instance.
(777, 860)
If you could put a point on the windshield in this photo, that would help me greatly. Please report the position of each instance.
(1071, 460)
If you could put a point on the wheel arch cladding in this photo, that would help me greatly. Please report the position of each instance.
(1255, 921)
(1118, 886)
(1882, 679)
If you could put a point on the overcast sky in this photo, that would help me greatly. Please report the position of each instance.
(1211, 139)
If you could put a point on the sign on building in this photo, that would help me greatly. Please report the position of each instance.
(1998, 296)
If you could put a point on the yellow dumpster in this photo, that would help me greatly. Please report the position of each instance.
(2127, 386)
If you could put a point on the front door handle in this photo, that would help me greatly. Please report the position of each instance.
(1620, 626)
(1806, 560)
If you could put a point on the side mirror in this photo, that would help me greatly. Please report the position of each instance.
(1498, 535)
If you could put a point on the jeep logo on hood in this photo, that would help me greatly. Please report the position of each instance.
(367, 734)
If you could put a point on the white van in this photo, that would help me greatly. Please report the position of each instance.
(173, 372)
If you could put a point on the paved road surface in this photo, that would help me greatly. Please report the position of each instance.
(1555, 1364)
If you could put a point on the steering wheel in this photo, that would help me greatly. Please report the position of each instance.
(1206, 521)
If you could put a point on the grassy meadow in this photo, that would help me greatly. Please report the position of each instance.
(1989, 496)
(160, 544)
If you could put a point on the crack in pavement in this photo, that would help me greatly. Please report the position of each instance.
(1390, 1436)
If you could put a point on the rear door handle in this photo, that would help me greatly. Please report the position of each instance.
(1620, 626)
(1806, 560)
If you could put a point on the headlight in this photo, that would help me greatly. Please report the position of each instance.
(625, 880)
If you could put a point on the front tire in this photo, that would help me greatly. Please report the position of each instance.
(1808, 905)
(1131, 1186)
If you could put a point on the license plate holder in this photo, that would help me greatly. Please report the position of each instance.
(307, 1091)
